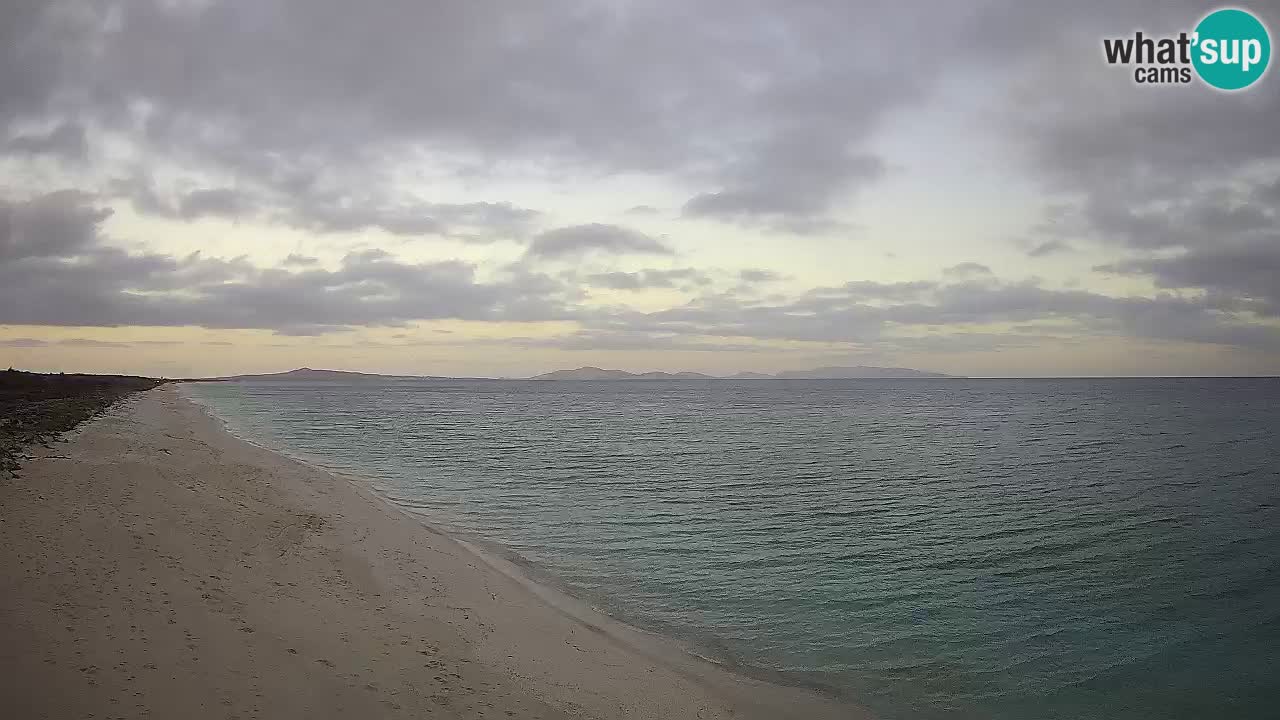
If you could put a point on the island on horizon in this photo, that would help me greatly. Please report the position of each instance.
(821, 373)
(592, 373)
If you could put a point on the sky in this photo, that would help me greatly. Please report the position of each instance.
(500, 189)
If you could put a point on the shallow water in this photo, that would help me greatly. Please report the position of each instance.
(933, 548)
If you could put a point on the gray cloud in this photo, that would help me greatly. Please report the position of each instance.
(578, 240)
(1047, 248)
(220, 202)
(29, 67)
(332, 117)
(475, 222)
(1180, 180)
(645, 279)
(346, 217)
(757, 275)
(967, 270)
(765, 113)
(57, 271)
(66, 140)
(1236, 274)
(193, 204)
(330, 212)
(788, 184)
(79, 342)
(113, 288)
(60, 272)
(880, 314)
(297, 260)
(86, 342)
(1092, 128)
(870, 290)
(595, 341)
(49, 225)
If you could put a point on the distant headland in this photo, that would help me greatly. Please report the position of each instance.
(589, 373)
(822, 373)
(306, 374)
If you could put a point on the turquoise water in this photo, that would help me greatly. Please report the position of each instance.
(931, 548)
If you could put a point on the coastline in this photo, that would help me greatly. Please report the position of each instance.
(669, 647)
(156, 562)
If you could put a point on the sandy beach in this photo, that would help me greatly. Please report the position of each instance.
(153, 565)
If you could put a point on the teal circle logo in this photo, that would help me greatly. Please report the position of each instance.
(1231, 49)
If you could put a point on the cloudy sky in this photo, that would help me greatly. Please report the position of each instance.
(504, 188)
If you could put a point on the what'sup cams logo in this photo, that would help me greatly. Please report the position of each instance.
(1228, 50)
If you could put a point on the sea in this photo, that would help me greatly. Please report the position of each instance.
(927, 548)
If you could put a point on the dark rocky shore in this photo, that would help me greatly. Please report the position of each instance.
(35, 407)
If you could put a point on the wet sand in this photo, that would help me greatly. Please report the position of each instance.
(155, 566)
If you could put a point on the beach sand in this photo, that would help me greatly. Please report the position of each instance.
(152, 565)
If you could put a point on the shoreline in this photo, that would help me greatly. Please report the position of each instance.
(330, 600)
(542, 582)
(665, 648)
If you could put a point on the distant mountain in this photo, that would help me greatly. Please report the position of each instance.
(595, 373)
(675, 376)
(857, 371)
(304, 375)
(822, 373)
(585, 373)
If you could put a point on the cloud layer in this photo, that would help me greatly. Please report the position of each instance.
(422, 150)
(58, 272)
